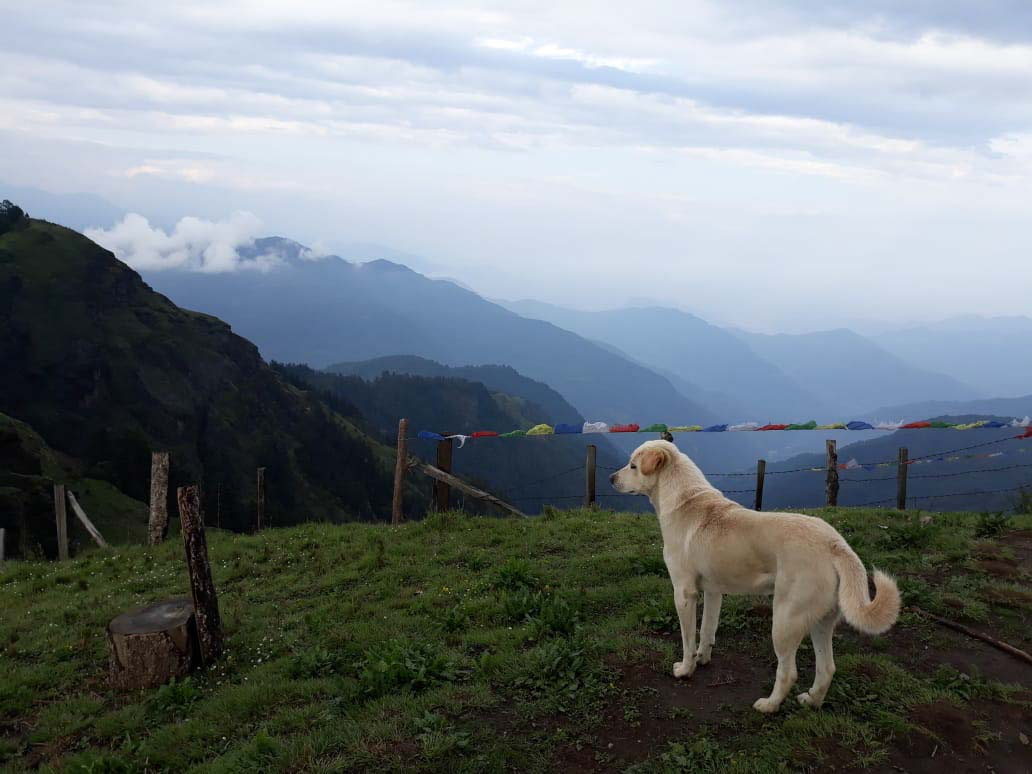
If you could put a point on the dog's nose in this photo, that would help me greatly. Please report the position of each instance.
(612, 478)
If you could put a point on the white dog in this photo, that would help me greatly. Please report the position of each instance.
(712, 544)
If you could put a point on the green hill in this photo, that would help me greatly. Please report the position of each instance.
(448, 404)
(106, 370)
(475, 644)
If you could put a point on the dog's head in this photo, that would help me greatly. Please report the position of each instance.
(639, 476)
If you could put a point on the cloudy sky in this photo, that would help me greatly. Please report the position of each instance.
(761, 163)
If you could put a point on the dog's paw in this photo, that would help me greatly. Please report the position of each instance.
(703, 655)
(684, 668)
(766, 705)
(807, 700)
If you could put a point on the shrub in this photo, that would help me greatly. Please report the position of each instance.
(1023, 502)
(991, 524)
(398, 664)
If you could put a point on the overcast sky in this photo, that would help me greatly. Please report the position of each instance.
(760, 163)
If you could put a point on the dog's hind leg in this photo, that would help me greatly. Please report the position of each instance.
(821, 634)
(685, 600)
(790, 626)
(710, 618)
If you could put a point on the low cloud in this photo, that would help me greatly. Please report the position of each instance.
(193, 245)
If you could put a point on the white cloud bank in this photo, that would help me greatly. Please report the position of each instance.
(193, 245)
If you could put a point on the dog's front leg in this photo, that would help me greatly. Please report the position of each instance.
(685, 599)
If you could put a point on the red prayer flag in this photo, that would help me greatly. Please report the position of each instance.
(915, 425)
(773, 427)
(624, 429)
(484, 434)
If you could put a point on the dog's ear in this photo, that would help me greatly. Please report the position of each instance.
(653, 460)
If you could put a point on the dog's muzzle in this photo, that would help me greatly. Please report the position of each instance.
(612, 478)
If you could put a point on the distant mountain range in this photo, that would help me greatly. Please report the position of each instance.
(992, 354)
(788, 377)
(328, 311)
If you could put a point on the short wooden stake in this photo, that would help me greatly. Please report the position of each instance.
(3, 537)
(831, 483)
(442, 491)
(260, 497)
(901, 479)
(82, 517)
(62, 521)
(589, 476)
(157, 526)
(761, 474)
(202, 587)
(400, 465)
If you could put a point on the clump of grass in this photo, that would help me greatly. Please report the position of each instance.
(649, 565)
(990, 525)
(400, 664)
(318, 662)
(658, 617)
(515, 574)
(175, 697)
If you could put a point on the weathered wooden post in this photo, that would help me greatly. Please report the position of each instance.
(3, 538)
(157, 526)
(399, 472)
(442, 492)
(261, 497)
(81, 515)
(831, 483)
(761, 474)
(589, 476)
(62, 521)
(901, 478)
(205, 599)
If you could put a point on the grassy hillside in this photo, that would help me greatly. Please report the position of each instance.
(105, 370)
(29, 468)
(474, 644)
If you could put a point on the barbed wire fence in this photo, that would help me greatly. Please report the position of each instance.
(555, 488)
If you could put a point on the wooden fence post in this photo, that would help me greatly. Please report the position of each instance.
(442, 492)
(3, 537)
(761, 473)
(831, 484)
(901, 479)
(589, 476)
(205, 599)
(261, 497)
(61, 515)
(157, 527)
(399, 472)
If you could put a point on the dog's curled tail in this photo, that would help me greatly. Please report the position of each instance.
(861, 612)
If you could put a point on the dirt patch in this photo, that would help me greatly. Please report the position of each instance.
(1001, 568)
(1020, 542)
(977, 737)
(653, 708)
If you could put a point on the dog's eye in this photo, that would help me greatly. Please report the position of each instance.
(633, 466)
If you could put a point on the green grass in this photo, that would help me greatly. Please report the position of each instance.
(458, 643)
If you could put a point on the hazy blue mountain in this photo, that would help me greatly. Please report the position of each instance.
(852, 373)
(77, 211)
(1006, 407)
(991, 354)
(328, 311)
(697, 353)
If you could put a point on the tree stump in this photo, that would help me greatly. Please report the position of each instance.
(151, 645)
